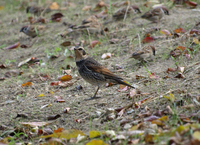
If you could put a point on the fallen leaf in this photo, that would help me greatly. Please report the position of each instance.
(179, 76)
(94, 43)
(153, 76)
(2, 66)
(35, 124)
(59, 99)
(21, 115)
(96, 142)
(151, 118)
(149, 139)
(64, 78)
(99, 5)
(139, 103)
(44, 106)
(53, 117)
(66, 110)
(179, 30)
(195, 40)
(54, 6)
(122, 88)
(133, 92)
(66, 134)
(195, 31)
(1, 7)
(55, 83)
(26, 84)
(191, 4)
(56, 16)
(58, 130)
(66, 84)
(54, 141)
(137, 77)
(109, 84)
(148, 39)
(94, 133)
(165, 32)
(13, 46)
(170, 97)
(66, 43)
(171, 70)
(29, 60)
(106, 55)
(41, 95)
(24, 46)
(2, 78)
(86, 8)
(196, 135)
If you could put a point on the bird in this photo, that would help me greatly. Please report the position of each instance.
(144, 53)
(90, 19)
(120, 13)
(32, 30)
(93, 72)
(37, 10)
(91, 24)
(155, 14)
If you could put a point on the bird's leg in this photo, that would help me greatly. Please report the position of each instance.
(94, 96)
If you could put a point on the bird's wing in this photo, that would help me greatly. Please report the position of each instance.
(31, 28)
(139, 52)
(94, 66)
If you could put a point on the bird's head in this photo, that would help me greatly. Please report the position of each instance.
(80, 53)
(23, 29)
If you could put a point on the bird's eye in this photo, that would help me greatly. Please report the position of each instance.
(80, 49)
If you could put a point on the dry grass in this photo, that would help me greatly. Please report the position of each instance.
(15, 99)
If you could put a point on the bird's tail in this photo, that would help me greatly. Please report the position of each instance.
(124, 83)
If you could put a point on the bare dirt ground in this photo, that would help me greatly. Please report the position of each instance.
(83, 115)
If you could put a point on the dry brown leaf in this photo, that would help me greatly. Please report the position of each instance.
(54, 6)
(35, 124)
(53, 117)
(13, 46)
(86, 8)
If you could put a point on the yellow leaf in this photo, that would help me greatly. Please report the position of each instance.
(181, 128)
(165, 32)
(171, 97)
(41, 95)
(94, 134)
(157, 122)
(96, 142)
(163, 118)
(134, 128)
(1, 7)
(65, 78)
(51, 92)
(196, 40)
(196, 135)
(66, 134)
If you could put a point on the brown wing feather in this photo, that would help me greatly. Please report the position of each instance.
(139, 52)
(94, 66)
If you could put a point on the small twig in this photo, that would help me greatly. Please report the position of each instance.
(139, 41)
(45, 9)
(126, 10)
